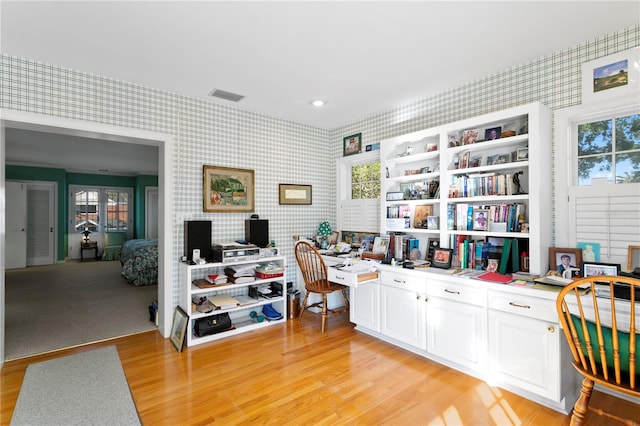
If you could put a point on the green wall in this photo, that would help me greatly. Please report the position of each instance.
(64, 179)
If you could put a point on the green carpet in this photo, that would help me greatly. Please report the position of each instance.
(88, 388)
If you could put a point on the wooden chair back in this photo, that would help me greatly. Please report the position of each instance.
(312, 267)
(599, 317)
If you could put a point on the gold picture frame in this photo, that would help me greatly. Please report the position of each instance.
(179, 328)
(225, 189)
(294, 194)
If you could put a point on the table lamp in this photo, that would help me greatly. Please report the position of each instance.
(86, 233)
(324, 230)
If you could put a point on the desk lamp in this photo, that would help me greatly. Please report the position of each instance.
(324, 230)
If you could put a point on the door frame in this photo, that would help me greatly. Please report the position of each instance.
(60, 125)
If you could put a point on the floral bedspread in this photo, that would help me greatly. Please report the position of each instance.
(139, 259)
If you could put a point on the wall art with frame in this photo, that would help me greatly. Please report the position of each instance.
(226, 189)
(611, 76)
(179, 328)
(352, 144)
(294, 194)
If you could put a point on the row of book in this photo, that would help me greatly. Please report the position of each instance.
(481, 184)
(403, 246)
(470, 217)
(500, 255)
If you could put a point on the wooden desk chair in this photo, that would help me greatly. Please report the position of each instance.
(603, 336)
(314, 272)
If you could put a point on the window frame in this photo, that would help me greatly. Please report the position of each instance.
(102, 208)
(343, 191)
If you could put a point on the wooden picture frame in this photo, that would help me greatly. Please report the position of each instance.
(179, 328)
(634, 251)
(290, 194)
(352, 144)
(611, 76)
(556, 254)
(225, 189)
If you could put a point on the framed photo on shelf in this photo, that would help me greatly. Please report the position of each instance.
(453, 141)
(475, 161)
(441, 258)
(380, 245)
(480, 219)
(294, 194)
(611, 76)
(590, 269)
(522, 154)
(470, 136)
(179, 328)
(492, 133)
(464, 160)
(225, 189)
(352, 144)
(633, 257)
(492, 159)
(432, 244)
(560, 259)
(432, 222)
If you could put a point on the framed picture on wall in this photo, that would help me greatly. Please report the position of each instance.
(611, 76)
(352, 144)
(227, 190)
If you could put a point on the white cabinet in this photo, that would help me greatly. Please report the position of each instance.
(524, 344)
(365, 306)
(403, 308)
(455, 183)
(457, 324)
(241, 314)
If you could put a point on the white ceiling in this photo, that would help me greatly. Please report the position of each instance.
(362, 57)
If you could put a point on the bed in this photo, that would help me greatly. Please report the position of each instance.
(139, 260)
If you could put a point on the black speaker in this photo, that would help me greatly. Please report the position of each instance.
(197, 235)
(256, 231)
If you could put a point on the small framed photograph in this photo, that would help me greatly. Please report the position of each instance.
(453, 141)
(294, 194)
(441, 258)
(590, 269)
(522, 154)
(504, 158)
(475, 161)
(380, 245)
(480, 219)
(464, 160)
(179, 328)
(352, 144)
(611, 76)
(590, 251)
(431, 147)
(561, 259)
(492, 133)
(524, 227)
(492, 265)
(492, 159)
(470, 137)
(432, 222)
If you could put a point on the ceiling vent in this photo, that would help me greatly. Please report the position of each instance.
(222, 94)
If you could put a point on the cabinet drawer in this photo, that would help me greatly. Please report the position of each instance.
(457, 292)
(415, 282)
(522, 305)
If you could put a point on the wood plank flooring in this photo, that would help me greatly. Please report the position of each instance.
(293, 374)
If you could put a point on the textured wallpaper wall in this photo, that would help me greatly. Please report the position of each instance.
(280, 151)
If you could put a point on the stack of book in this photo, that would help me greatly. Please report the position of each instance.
(216, 279)
(239, 274)
(267, 271)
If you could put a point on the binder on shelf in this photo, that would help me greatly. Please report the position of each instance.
(504, 258)
(515, 256)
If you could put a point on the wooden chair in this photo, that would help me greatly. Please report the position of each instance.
(603, 336)
(314, 272)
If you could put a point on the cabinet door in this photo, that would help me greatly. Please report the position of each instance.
(403, 315)
(457, 332)
(365, 306)
(524, 352)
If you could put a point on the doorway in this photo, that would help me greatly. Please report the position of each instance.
(36, 122)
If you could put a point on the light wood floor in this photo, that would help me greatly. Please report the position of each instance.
(293, 374)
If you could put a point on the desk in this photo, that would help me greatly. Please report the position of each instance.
(88, 246)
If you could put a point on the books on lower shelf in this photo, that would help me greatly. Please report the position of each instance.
(216, 278)
(223, 301)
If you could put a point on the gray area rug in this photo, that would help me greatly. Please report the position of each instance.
(88, 388)
(64, 305)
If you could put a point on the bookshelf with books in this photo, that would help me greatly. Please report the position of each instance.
(493, 178)
(240, 289)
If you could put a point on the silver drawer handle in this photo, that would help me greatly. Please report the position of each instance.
(395, 280)
(339, 277)
(520, 306)
(451, 291)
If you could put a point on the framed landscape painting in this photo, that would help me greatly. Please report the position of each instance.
(611, 76)
(225, 189)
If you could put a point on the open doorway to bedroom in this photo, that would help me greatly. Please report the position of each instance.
(164, 144)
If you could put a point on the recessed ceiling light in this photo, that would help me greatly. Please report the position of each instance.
(318, 103)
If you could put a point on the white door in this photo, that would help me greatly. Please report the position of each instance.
(40, 223)
(16, 225)
(151, 209)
